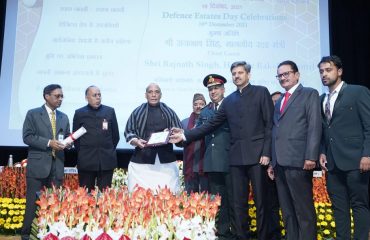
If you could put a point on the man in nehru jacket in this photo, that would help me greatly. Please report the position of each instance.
(248, 111)
(96, 150)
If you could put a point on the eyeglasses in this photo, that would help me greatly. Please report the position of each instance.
(57, 95)
(284, 74)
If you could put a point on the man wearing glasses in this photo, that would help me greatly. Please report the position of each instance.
(43, 128)
(296, 135)
(248, 111)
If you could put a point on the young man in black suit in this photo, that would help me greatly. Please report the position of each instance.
(346, 149)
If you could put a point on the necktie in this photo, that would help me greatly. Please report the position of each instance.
(327, 107)
(54, 129)
(286, 98)
(216, 106)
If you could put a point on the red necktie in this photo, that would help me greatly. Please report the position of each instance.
(286, 98)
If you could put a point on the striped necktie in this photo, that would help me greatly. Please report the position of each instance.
(327, 107)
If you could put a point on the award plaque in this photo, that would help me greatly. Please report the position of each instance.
(158, 138)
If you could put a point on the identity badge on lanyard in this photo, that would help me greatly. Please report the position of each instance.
(105, 124)
(60, 136)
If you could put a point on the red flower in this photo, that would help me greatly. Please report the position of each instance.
(104, 236)
(68, 238)
(86, 237)
(124, 237)
(50, 236)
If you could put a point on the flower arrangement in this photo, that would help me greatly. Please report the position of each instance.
(325, 221)
(13, 182)
(70, 181)
(120, 178)
(11, 214)
(119, 214)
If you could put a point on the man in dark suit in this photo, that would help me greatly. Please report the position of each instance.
(96, 149)
(43, 128)
(296, 136)
(248, 111)
(216, 159)
(346, 149)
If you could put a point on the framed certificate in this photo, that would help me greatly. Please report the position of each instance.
(158, 138)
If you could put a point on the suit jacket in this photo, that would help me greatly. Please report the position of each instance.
(296, 131)
(96, 149)
(216, 157)
(37, 132)
(347, 137)
(249, 114)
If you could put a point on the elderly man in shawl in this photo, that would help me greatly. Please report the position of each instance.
(152, 166)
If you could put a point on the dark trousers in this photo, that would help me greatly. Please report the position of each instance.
(197, 183)
(34, 186)
(90, 179)
(294, 186)
(272, 212)
(240, 177)
(348, 189)
(220, 183)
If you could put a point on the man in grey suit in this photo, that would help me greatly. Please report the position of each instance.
(296, 136)
(346, 149)
(43, 129)
(216, 159)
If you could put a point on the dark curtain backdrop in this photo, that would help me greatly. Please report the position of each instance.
(349, 39)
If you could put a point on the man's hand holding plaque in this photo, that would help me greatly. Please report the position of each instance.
(158, 139)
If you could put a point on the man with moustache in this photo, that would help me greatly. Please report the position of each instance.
(296, 136)
(216, 159)
(43, 128)
(193, 154)
(248, 111)
(96, 149)
(346, 149)
(152, 167)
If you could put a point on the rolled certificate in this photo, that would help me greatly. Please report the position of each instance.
(81, 131)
